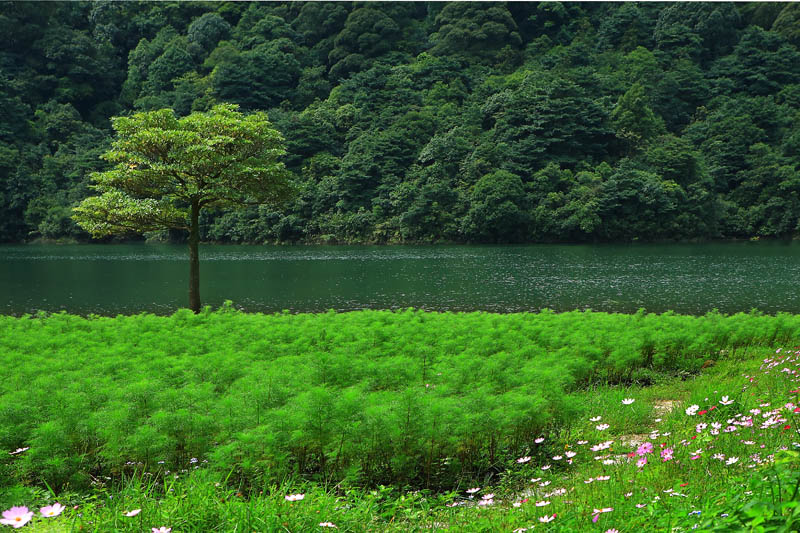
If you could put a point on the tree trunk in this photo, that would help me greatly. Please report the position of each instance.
(194, 259)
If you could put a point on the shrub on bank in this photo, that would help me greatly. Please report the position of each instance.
(411, 398)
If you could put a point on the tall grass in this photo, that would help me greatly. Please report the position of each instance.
(408, 398)
(723, 459)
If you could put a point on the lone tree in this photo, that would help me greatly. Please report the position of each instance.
(167, 169)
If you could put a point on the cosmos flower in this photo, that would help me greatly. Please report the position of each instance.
(628, 401)
(132, 513)
(16, 517)
(51, 510)
(294, 497)
(525, 459)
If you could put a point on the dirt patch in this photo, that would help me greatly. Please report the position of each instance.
(635, 440)
(665, 406)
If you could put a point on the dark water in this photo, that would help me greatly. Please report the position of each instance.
(112, 279)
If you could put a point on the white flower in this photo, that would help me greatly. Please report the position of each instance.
(725, 401)
(692, 410)
(546, 519)
(542, 503)
(525, 459)
(731, 460)
(628, 401)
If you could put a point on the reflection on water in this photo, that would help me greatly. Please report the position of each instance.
(111, 279)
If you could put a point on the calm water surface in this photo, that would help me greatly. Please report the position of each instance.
(112, 279)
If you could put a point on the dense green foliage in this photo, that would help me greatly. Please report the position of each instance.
(417, 122)
(410, 397)
(167, 170)
(695, 475)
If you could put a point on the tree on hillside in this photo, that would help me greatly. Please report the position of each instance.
(168, 169)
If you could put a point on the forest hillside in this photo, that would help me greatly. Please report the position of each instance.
(427, 122)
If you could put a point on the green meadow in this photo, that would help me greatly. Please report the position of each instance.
(382, 420)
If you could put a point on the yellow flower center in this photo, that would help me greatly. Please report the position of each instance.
(17, 518)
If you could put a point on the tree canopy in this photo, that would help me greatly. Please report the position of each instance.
(167, 169)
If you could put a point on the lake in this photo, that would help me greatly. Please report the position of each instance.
(132, 278)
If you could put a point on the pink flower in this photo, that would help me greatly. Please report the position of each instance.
(612, 530)
(162, 530)
(666, 454)
(539, 440)
(16, 517)
(132, 513)
(641, 462)
(647, 447)
(525, 459)
(52, 510)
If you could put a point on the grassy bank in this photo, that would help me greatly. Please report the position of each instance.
(417, 399)
(711, 452)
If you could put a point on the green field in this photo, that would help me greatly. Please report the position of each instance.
(381, 418)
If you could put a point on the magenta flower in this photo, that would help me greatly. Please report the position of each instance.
(52, 510)
(647, 447)
(16, 517)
